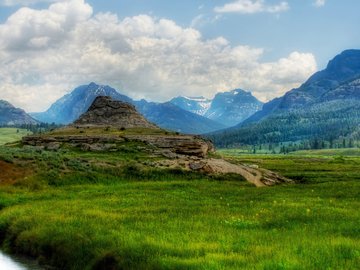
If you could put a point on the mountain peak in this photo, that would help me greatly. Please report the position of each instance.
(4, 104)
(197, 105)
(199, 99)
(343, 67)
(228, 108)
(68, 108)
(233, 107)
(9, 115)
(345, 63)
(239, 91)
(93, 84)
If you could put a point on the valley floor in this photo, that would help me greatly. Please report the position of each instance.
(81, 211)
(8, 135)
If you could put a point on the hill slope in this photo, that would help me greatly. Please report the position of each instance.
(169, 116)
(11, 116)
(326, 106)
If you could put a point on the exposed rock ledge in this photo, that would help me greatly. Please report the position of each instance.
(186, 151)
(171, 146)
(257, 176)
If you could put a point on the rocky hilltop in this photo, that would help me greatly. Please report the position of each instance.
(116, 126)
(106, 111)
(109, 123)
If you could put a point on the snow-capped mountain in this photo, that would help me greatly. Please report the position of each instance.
(198, 105)
(228, 108)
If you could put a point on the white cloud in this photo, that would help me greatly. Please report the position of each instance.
(33, 29)
(46, 53)
(23, 2)
(251, 7)
(319, 3)
(201, 20)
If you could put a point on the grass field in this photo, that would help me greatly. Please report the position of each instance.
(80, 210)
(331, 152)
(8, 135)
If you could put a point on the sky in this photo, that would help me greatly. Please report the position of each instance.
(159, 49)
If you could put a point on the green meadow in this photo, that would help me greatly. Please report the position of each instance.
(77, 210)
(8, 135)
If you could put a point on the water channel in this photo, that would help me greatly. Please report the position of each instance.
(10, 262)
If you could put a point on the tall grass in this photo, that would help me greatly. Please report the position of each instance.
(8, 135)
(129, 216)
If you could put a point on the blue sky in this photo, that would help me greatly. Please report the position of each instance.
(157, 49)
(322, 30)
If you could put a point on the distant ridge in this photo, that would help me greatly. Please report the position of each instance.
(169, 116)
(326, 106)
(11, 116)
(229, 108)
(68, 108)
(197, 105)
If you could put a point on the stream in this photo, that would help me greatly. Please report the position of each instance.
(10, 262)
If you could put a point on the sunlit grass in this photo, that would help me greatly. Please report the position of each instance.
(8, 135)
(181, 221)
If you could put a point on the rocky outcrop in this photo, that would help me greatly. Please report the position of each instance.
(251, 173)
(171, 146)
(122, 117)
(122, 123)
(106, 111)
(94, 143)
(176, 144)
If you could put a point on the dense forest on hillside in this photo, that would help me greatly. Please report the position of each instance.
(327, 122)
(38, 128)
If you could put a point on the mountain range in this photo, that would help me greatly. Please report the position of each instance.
(11, 116)
(326, 106)
(166, 115)
(229, 108)
(182, 114)
(197, 105)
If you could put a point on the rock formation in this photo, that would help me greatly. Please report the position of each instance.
(108, 113)
(171, 146)
(109, 125)
(251, 173)
(105, 111)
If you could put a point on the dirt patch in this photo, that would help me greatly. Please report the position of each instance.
(11, 173)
